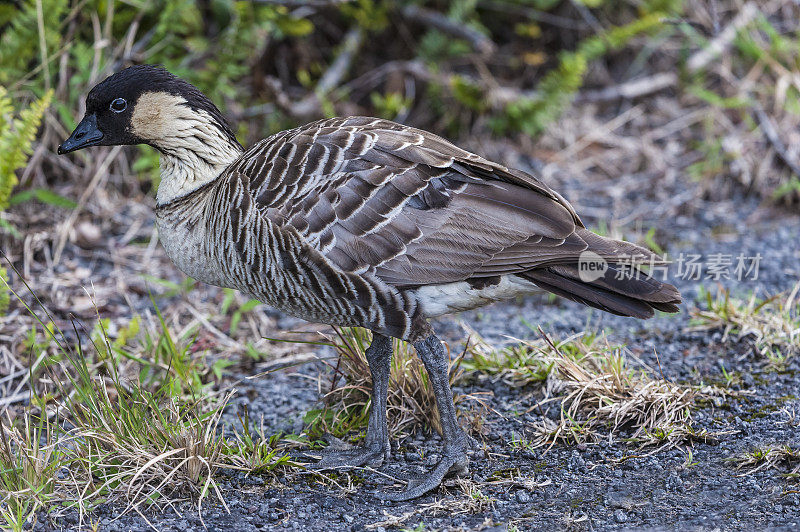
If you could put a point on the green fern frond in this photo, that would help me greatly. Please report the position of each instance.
(16, 137)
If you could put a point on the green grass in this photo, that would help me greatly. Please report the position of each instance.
(515, 365)
(252, 450)
(29, 464)
(236, 311)
(128, 425)
(771, 324)
(140, 446)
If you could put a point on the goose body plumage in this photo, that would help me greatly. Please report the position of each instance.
(365, 222)
(360, 221)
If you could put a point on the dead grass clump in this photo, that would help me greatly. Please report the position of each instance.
(599, 392)
(469, 500)
(347, 396)
(771, 457)
(771, 324)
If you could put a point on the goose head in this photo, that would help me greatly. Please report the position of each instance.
(146, 104)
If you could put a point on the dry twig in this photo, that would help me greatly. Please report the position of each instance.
(478, 40)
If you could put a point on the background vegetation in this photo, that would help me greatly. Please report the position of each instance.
(496, 67)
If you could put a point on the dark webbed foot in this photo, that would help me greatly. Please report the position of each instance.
(376, 448)
(456, 442)
(341, 455)
(454, 461)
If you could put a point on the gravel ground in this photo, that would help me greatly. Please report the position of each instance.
(603, 486)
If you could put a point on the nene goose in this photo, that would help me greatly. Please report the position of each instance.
(362, 222)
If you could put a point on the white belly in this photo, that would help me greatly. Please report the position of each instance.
(436, 300)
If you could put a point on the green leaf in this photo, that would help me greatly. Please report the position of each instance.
(295, 27)
(220, 366)
(250, 305)
(45, 196)
(13, 231)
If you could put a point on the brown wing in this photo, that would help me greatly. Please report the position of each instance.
(406, 205)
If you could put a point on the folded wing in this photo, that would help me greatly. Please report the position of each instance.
(407, 206)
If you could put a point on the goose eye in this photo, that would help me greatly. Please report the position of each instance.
(118, 105)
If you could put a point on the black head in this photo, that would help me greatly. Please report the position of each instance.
(140, 105)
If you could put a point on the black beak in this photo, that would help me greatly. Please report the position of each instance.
(85, 135)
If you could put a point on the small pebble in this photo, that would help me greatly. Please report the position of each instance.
(263, 511)
(522, 496)
(620, 517)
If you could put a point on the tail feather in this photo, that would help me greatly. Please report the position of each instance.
(622, 289)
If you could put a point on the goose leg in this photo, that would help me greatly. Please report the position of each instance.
(340, 454)
(456, 442)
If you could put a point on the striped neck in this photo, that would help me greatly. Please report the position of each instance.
(196, 144)
(192, 163)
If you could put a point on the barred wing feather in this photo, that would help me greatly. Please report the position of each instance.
(406, 205)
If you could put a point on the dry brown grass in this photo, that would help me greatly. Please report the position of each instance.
(599, 393)
(776, 456)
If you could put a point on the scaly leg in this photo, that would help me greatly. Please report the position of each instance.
(376, 448)
(456, 442)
